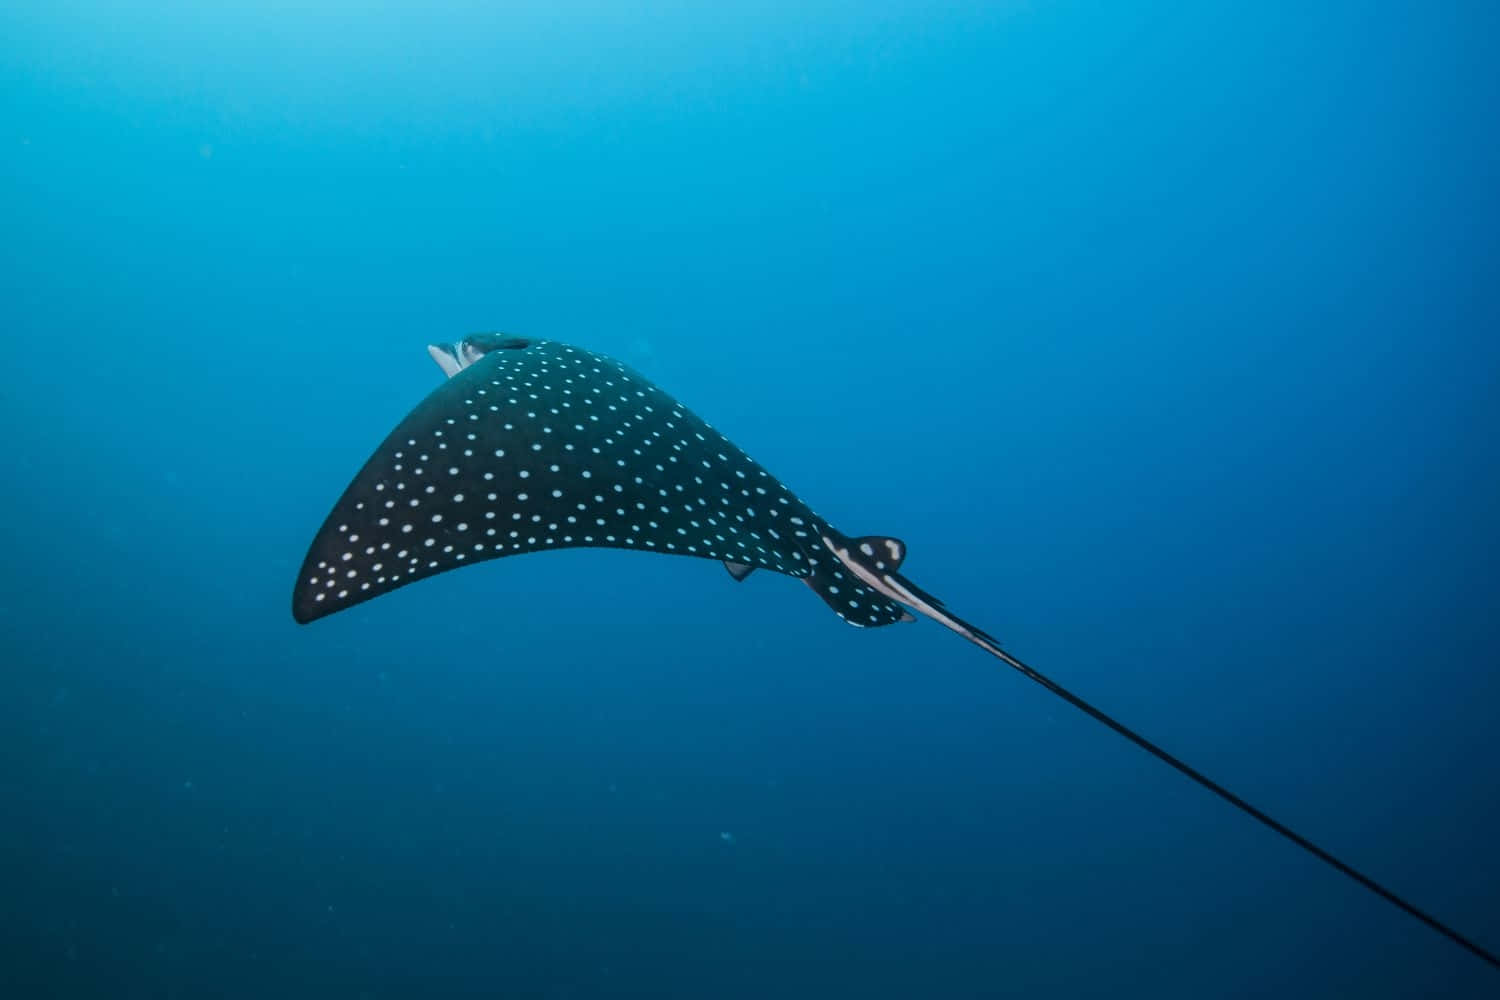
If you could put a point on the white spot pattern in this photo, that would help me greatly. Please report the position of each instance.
(606, 447)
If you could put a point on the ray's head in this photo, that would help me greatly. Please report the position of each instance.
(454, 358)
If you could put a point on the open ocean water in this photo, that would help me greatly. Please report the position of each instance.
(1165, 334)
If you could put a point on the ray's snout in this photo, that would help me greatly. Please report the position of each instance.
(446, 355)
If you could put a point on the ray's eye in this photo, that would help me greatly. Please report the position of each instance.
(483, 343)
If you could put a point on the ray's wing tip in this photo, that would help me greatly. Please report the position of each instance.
(302, 614)
(305, 607)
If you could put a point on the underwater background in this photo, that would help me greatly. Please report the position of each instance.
(1164, 334)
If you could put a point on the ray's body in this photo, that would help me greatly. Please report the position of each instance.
(533, 445)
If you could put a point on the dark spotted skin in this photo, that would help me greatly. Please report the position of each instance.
(539, 445)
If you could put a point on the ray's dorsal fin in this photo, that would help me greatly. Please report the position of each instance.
(882, 551)
(738, 570)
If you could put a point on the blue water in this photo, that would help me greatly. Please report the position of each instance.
(1165, 335)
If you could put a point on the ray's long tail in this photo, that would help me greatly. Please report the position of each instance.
(988, 643)
(875, 560)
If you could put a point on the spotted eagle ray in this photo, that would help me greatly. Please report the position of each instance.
(531, 445)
